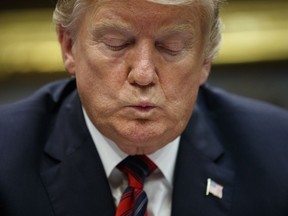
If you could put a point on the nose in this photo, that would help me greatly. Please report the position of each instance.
(143, 70)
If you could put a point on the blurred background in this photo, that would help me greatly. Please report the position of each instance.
(253, 60)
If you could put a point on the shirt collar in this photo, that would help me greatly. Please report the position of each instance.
(111, 155)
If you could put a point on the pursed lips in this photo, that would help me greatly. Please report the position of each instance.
(143, 106)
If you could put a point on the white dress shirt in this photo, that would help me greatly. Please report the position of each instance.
(158, 186)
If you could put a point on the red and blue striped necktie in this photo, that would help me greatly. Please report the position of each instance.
(134, 199)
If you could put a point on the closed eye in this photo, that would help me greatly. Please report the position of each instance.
(116, 44)
(170, 49)
(117, 47)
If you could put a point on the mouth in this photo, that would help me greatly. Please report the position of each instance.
(143, 107)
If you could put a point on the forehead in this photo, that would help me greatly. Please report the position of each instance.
(145, 14)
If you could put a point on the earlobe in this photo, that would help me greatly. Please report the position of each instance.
(206, 67)
(66, 44)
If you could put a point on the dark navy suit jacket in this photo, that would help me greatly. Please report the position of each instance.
(50, 166)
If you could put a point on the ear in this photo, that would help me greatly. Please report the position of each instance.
(66, 44)
(205, 71)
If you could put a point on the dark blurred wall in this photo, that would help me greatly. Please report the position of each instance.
(267, 81)
(23, 4)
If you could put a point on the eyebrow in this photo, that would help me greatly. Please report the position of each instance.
(106, 24)
(174, 28)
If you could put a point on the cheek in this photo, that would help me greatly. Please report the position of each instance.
(182, 82)
(99, 83)
(96, 72)
(181, 89)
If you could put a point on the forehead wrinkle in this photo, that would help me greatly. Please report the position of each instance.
(109, 19)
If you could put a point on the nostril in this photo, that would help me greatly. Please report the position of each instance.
(142, 76)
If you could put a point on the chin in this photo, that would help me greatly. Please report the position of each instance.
(132, 150)
(136, 148)
(144, 139)
(143, 130)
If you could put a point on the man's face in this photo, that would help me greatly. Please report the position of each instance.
(138, 67)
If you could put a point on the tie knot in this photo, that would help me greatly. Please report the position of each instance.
(137, 168)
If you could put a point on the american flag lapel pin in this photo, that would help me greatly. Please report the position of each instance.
(214, 188)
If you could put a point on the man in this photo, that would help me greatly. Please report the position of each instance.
(140, 68)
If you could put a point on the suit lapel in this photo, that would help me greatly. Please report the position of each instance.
(200, 157)
(73, 174)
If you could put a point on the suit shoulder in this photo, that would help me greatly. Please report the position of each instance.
(244, 118)
(219, 101)
(37, 108)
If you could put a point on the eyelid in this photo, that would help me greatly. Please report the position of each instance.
(178, 46)
(116, 42)
(170, 52)
(170, 48)
(113, 41)
(118, 46)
